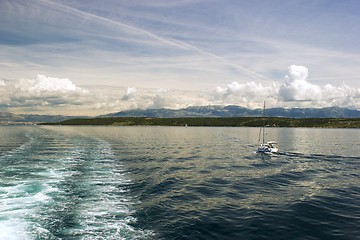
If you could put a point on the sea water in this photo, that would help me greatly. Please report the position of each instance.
(60, 182)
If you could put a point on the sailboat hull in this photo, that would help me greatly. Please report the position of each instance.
(269, 147)
(267, 150)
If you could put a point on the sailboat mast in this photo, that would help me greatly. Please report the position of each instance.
(263, 141)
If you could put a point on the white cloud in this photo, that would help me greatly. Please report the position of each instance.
(343, 96)
(297, 88)
(43, 86)
(49, 84)
(162, 99)
(130, 93)
(49, 95)
(295, 91)
(44, 94)
(250, 92)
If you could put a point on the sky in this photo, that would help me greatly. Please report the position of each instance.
(93, 57)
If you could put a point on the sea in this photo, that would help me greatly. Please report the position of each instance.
(146, 182)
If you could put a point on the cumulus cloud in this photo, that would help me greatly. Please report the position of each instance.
(162, 98)
(49, 95)
(236, 93)
(297, 88)
(43, 91)
(295, 91)
(343, 96)
(43, 85)
(130, 93)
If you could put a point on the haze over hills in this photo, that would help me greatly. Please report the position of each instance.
(21, 119)
(237, 111)
(194, 111)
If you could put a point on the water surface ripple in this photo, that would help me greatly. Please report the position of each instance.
(178, 183)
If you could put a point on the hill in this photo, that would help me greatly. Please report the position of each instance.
(218, 122)
(192, 112)
(237, 111)
(21, 119)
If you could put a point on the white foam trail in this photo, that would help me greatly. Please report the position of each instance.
(18, 204)
(22, 199)
(109, 211)
(31, 203)
(10, 232)
(20, 148)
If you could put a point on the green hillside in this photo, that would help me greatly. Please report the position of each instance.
(226, 122)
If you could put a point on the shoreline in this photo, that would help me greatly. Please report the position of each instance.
(216, 122)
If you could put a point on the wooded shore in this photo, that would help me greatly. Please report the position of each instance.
(217, 122)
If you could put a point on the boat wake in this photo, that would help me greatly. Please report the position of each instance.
(56, 187)
(318, 156)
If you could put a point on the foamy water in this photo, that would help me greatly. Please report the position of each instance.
(178, 183)
(58, 187)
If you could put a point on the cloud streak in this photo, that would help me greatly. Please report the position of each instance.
(217, 56)
(172, 42)
(136, 41)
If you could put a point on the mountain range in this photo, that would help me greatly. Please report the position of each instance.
(237, 111)
(194, 111)
(7, 118)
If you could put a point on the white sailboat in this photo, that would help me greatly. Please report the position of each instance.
(266, 147)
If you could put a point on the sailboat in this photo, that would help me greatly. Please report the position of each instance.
(266, 147)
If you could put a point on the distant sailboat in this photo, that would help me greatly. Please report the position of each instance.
(266, 147)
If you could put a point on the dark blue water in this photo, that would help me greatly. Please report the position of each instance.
(178, 183)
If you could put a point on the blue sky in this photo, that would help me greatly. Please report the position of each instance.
(94, 57)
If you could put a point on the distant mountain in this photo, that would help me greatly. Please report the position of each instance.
(18, 119)
(237, 111)
(195, 111)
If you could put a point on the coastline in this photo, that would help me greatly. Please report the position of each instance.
(216, 122)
